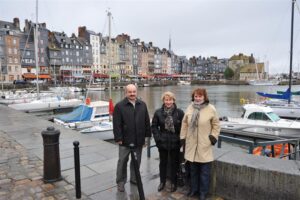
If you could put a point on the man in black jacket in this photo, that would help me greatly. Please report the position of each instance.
(131, 125)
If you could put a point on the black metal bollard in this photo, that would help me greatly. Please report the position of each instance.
(137, 172)
(52, 171)
(77, 169)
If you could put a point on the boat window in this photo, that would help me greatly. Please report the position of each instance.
(259, 116)
(274, 117)
(101, 116)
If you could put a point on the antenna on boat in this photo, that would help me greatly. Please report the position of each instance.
(36, 51)
(111, 107)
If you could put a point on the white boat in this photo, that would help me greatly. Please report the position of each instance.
(85, 116)
(262, 119)
(102, 126)
(146, 85)
(60, 90)
(284, 109)
(184, 83)
(22, 97)
(95, 88)
(263, 82)
(46, 104)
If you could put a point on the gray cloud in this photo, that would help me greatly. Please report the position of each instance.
(198, 27)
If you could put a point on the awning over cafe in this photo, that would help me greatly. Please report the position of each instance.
(33, 76)
(100, 76)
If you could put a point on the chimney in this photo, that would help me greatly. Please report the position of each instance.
(16, 22)
(150, 43)
(81, 31)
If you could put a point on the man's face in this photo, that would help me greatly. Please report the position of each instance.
(131, 93)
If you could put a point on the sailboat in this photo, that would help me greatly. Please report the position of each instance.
(107, 125)
(92, 116)
(47, 103)
(281, 103)
(262, 82)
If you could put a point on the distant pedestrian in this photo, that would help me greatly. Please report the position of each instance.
(131, 124)
(166, 125)
(200, 130)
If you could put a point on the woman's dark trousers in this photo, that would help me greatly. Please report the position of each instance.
(163, 164)
(200, 177)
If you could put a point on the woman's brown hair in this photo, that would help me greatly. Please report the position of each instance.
(200, 92)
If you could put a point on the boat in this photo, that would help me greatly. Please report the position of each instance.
(22, 96)
(184, 82)
(102, 126)
(146, 85)
(85, 115)
(263, 82)
(261, 119)
(95, 87)
(46, 104)
(285, 108)
(293, 93)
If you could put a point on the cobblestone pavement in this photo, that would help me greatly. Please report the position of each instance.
(21, 175)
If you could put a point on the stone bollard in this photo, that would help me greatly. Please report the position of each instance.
(52, 171)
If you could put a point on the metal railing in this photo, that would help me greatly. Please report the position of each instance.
(264, 145)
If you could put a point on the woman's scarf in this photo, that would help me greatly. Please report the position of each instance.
(196, 114)
(169, 124)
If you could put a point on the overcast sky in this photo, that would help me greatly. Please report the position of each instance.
(198, 27)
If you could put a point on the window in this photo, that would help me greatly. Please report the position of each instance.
(77, 53)
(14, 41)
(259, 116)
(55, 53)
(42, 41)
(9, 50)
(15, 51)
(9, 68)
(16, 60)
(86, 47)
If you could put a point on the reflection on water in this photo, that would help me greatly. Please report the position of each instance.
(226, 98)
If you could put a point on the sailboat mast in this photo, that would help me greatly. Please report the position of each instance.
(109, 51)
(291, 50)
(36, 51)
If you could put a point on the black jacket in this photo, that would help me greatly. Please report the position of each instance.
(131, 124)
(163, 138)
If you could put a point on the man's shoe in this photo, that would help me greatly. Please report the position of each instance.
(192, 194)
(173, 188)
(161, 186)
(121, 187)
(133, 182)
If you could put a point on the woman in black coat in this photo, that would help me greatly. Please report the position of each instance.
(166, 125)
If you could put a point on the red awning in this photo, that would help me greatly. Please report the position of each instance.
(33, 76)
(44, 76)
(29, 76)
(100, 76)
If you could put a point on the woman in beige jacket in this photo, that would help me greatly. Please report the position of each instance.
(200, 130)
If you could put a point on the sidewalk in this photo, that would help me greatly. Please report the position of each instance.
(21, 164)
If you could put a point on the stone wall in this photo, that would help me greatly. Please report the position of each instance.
(237, 176)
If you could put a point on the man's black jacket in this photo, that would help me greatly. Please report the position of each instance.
(131, 124)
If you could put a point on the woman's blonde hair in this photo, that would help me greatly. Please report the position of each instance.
(168, 94)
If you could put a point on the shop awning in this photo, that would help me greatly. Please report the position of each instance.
(100, 76)
(29, 76)
(44, 76)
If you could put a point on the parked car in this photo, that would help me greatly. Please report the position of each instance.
(19, 82)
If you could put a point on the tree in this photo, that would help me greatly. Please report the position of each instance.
(228, 74)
